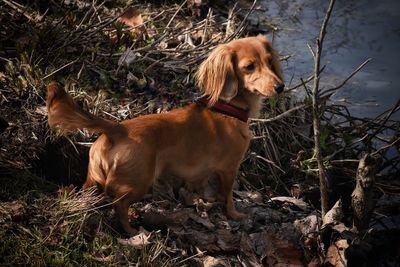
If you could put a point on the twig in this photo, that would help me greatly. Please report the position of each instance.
(280, 116)
(191, 257)
(382, 124)
(173, 16)
(386, 147)
(316, 112)
(230, 24)
(326, 92)
(57, 70)
(272, 163)
(207, 21)
(304, 82)
(18, 8)
(240, 27)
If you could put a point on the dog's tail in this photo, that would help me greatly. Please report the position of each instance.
(65, 114)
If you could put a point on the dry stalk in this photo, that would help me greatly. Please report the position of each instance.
(317, 112)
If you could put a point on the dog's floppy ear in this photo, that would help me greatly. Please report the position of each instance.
(216, 75)
(276, 65)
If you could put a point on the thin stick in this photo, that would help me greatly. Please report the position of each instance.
(240, 27)
(326, 92)
(191, 257)
(384, 148)
(316, 112)
(57, 70)
(382, 124)
(18, 8)
(304, 82)
(280, 116)
(173, 16)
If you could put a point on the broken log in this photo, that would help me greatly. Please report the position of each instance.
(362, 201)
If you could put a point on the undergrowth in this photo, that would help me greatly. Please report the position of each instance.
(69, 229)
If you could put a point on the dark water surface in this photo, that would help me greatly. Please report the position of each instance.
(357, 30)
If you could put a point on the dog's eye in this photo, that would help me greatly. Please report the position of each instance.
(249, 67)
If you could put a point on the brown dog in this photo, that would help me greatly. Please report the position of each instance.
(204, 139)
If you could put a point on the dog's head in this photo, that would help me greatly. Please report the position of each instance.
(245, 64)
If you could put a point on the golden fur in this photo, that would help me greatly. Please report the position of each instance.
(193, 143)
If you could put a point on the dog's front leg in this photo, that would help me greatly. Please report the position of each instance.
(226, 180)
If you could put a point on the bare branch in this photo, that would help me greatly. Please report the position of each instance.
(280, 116)
(316, 112)
(326, 92)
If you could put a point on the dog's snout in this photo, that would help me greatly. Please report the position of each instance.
(279, 87)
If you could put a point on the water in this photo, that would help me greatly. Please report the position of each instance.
(358, 29)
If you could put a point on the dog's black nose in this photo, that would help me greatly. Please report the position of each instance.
(279, 87)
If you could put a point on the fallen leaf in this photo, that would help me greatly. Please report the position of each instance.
(307, 225)
(227, 241)
(282, 252)
(188, 196)
(203, 240)
(334, 215)
(42, 110)
(180, 216)
(341, 228)
(195, 7)
(210, 261)
(297, 202)
(131, 17)
(138, 241)
(127, 58)
(255, 197)
(203, 221)
(246, 246)
(314, 262)
(259, 242)
(336, 254)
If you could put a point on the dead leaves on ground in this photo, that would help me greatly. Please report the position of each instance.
(201, 228)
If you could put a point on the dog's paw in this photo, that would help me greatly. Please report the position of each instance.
(236, 216)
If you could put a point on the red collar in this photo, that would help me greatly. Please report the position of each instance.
(225, 108)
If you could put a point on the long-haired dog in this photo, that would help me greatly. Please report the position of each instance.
(206, 138)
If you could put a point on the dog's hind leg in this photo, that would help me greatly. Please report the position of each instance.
(90, 181)
(121, 204)
(125, 190)
(129, 178)
(121, 207)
